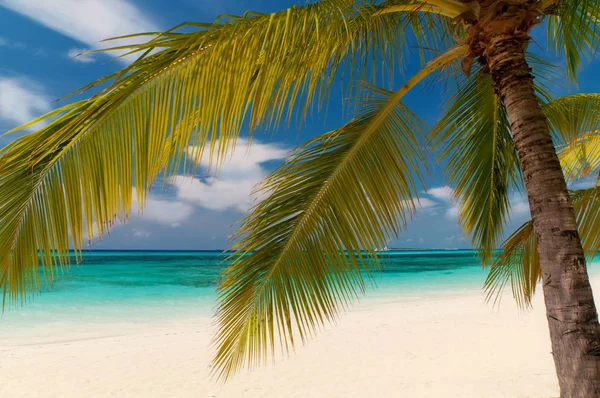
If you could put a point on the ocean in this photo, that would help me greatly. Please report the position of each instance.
(138, 286)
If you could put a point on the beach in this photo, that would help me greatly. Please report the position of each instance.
(451, 344)
(140, 324)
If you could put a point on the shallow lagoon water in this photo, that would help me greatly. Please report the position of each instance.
(134, 287)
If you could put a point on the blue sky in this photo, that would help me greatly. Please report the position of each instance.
(38, 42)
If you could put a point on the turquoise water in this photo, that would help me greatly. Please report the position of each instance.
(135, 286)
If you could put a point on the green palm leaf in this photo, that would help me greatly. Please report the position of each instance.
(575, 124)
(586, 204)
(187, 89)
(517, 264)
(481, 161)
(304, 248)
(573, 30)
(574, 121)
(57, 182)
(342, 192)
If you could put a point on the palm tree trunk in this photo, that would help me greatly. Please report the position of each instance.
(570, 309)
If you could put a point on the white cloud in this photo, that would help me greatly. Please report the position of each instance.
(140, 233)
(75, 54)
(444, 198)
(169, 212)
(245, 159)
(453, 212)
(424, 203)
(22, 100)
(88, 21)
(231, 187)
(218, 195)
(518, 207)
(3, 41)
(445, 194)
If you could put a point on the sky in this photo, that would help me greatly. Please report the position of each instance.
(39, 44)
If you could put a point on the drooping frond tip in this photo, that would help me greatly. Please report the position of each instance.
(517, 264)
(573, 31)
(480, 160)
(304, 249)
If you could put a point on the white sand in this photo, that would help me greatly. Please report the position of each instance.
(448, 346)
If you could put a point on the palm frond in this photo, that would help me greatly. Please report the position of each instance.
(547, 75)
(187, 89)
(575, 125)
(574, 31)
(46, 203)
(303, 249)
(517, 264)
(481, 161)
(574, 122)
(586, 204)
(301, 254)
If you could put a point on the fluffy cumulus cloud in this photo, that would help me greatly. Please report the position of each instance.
(425, 203)
(87, 21)
(21, 100)
(444, 202)
(163, 211)
(445, 194)
(76, 54)
(427, 206)
(441, 201)
(231, 188)
(452, 212)
(217, 194)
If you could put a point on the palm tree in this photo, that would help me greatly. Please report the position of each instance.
(302, 251)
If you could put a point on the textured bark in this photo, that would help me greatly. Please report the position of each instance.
(570, 309)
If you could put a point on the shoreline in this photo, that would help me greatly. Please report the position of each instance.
(448, 344)
(21, 327)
